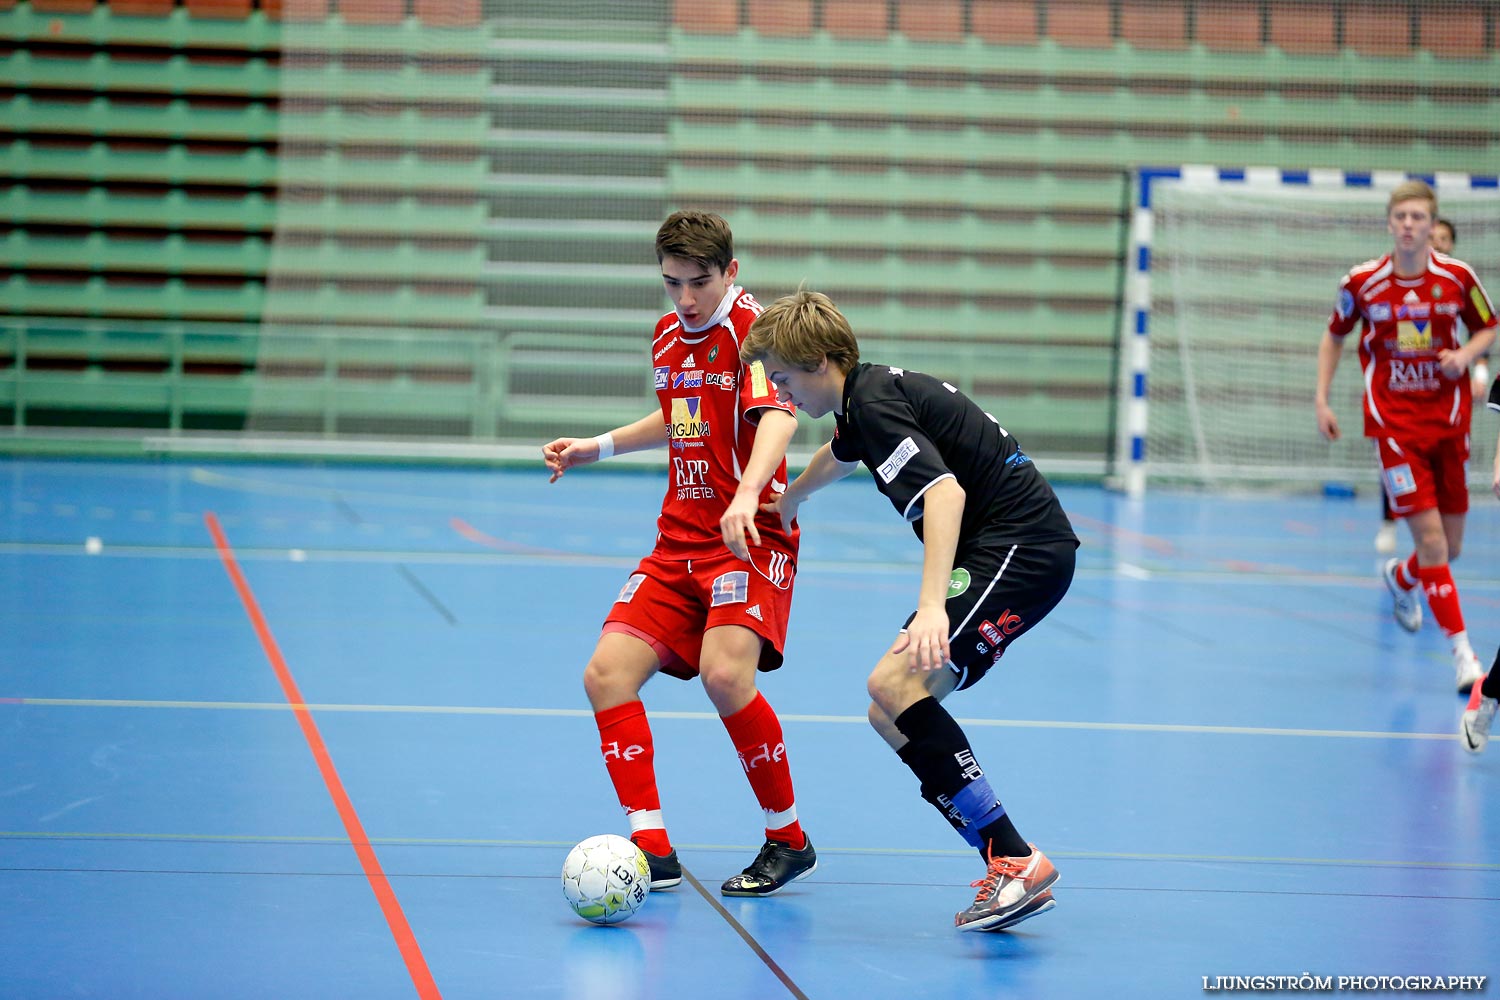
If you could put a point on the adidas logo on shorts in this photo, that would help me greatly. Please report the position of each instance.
(754, 612)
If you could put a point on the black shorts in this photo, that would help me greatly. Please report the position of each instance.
(998, 593)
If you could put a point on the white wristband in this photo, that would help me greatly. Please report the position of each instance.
(606, 443)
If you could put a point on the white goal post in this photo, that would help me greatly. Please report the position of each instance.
(1231, 278)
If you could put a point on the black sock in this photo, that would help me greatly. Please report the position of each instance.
(1000, 840)
(938, 752)
(940, 756)
(1490, 688)
(944, 806)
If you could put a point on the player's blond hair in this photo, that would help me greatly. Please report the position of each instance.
(698, 236)
(1410, 191)
(801, 329)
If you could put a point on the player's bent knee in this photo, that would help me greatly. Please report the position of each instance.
(604, 686)
(882, 723)
(730, 685)
(891, 687)
(611, 679)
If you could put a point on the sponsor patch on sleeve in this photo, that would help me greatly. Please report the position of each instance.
(897, 460)
(1346, 303)
(1477, 297)
(758, 384)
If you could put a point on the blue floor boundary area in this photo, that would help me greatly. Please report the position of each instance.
(1245, 771)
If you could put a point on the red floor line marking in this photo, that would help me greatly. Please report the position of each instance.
(1161, 546)
(478, 537)
(411, 953)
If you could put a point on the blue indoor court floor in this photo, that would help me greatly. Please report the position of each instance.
(318, 731)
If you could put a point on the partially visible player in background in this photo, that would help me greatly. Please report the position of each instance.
(693, 607)
(1444, 235)
(1479, 716)
(1441, 240)
(998, 555)
(1417, 401)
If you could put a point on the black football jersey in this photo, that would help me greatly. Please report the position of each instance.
(912, 431)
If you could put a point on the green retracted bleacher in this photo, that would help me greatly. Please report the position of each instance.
(450, 207)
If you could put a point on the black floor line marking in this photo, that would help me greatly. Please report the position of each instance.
(786, 980)
(432, 599)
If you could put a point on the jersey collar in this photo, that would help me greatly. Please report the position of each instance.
(725, 304)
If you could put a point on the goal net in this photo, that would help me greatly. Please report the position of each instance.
(1235, 277)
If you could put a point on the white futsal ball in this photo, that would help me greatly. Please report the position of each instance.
(606, 879)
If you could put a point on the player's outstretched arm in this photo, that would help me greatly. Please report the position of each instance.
(1330, 350)
(772, 435)
(562, 454)
(821, 470)
(927, 636)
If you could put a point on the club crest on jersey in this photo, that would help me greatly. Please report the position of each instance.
(688, 419)
(713, 354)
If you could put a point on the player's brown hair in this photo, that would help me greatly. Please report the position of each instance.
(801, 329)
(1410, 191)
(698, 236)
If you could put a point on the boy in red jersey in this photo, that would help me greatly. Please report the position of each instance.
(694, 607)
(1417, 401)
(1442, 238)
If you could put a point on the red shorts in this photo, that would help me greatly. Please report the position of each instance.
(671, 603)
(1419, 476)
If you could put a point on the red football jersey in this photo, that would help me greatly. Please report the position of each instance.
(711, 404)
(1406, 322)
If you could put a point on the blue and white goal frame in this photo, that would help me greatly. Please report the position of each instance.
(1136, 332)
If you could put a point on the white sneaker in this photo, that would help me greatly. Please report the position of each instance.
(1407, 603)
(1468, 671)
(1474, 730)
(1385, 538)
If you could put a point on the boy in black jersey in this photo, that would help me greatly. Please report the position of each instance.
(1484, 697)
(999, 555)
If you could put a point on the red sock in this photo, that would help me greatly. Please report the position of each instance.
(625, 742)
(1407, 573)
(1442, 598)
(756, 732)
